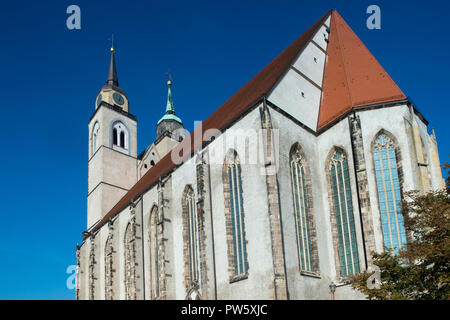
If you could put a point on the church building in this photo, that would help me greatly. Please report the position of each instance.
(282, 193)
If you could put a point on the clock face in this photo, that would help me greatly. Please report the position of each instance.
(99, 100)
(118, 98)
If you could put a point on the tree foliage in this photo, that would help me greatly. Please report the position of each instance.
(421, 270)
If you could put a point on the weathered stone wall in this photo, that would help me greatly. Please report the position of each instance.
(273, 199)
(362, 187)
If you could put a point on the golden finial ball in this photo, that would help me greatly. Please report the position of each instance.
(169, 83)
(112, 49)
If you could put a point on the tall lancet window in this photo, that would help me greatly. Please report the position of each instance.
(130, 280)
(234, 210)
(154, 253)
(192, 235)
(389, 196)
(301, 209)
(343, 213)
(95, 132)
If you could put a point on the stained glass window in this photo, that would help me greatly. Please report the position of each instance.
(343, 210)
(192, 224)
(301, 210)
(237, 217)
(388, 190)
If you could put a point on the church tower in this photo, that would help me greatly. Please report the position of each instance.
(169, 129)
(112, 148)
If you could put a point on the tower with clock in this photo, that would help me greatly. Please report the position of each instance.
(112, 148)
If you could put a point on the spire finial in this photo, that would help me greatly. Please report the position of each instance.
(169, 108)
(112, 74)
(169, 75)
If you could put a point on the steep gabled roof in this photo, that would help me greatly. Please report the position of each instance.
(352, 77)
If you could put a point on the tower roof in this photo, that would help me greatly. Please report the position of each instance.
(352, 78)
(112, 73)
(170, 110)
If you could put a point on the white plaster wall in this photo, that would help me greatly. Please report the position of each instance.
(311, 68)
(83, 271)
(150, 198)
(320, 37)
(150, 155)
(434, 171)
(287, 95)
(112, 167)
(101, 238)
(316, 150)
(101, 200)
(259, 284)
(436, 174)
(301, 286)
(327, 21)
(339, 136)
(183, 176)
(121, 223)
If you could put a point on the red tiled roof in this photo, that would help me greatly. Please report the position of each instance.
(352, 78)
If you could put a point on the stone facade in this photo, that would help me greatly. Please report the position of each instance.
(137, 244)
(362, 187)
(279, 276)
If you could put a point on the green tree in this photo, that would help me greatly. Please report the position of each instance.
(421, 270)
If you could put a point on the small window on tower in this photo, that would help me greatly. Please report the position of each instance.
(120, 137)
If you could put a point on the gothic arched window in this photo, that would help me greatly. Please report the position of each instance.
(234, 212)
(388, 190)
(95, 132)
(303, 219)
(191, 234)
(130, 276)
(120, 136)
(343, 213)
(154, 253)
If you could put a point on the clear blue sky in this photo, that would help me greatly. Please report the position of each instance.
(50, 76)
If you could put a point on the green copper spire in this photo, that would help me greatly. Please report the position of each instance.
(170, 110)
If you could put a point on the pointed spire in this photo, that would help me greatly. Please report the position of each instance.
(170, 110)
(112, 74)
